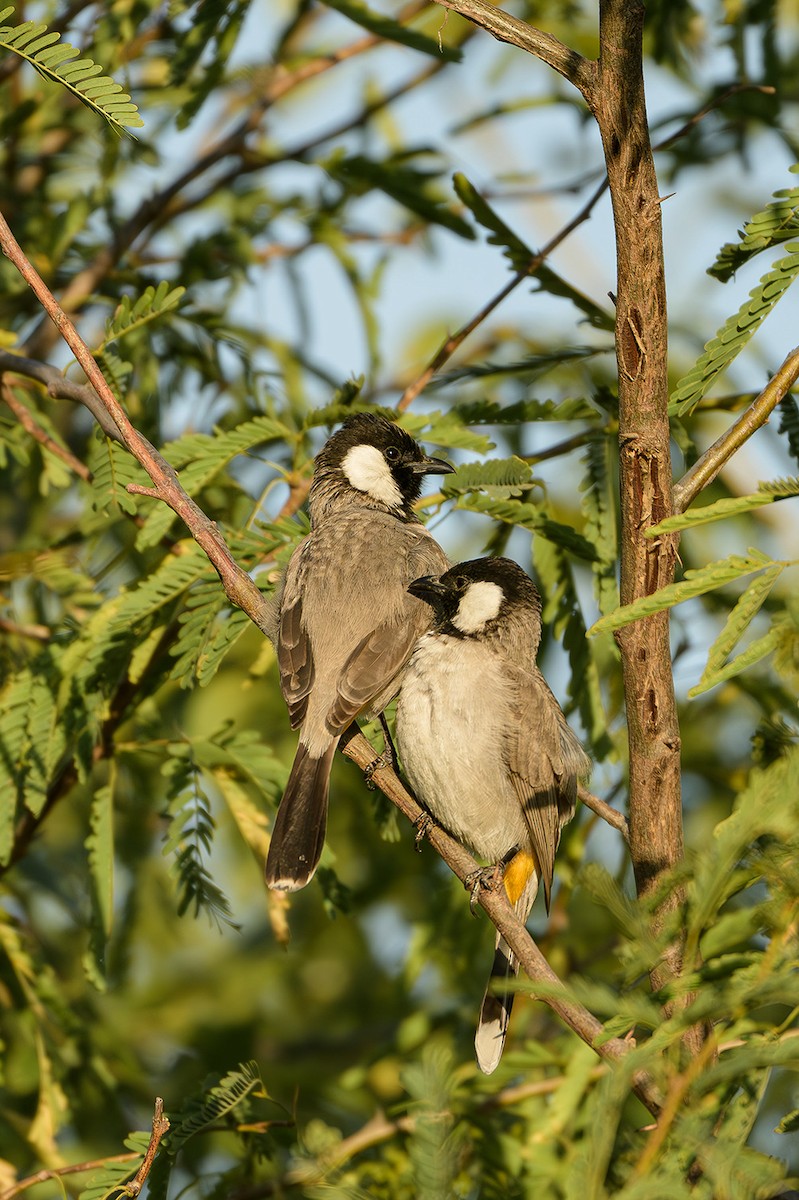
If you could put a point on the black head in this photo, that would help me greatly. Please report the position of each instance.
(377, 459)
(476, 598)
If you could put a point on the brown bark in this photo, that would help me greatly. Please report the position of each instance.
(618, 103)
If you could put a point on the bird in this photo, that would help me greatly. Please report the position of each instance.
(345, 623)
(485, 746)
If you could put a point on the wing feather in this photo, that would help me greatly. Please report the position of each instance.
(294, 654)
(545, 760)
(371, 675)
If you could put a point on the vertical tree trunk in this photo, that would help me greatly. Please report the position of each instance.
(645, 460)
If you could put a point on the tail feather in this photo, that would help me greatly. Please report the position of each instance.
(492, 1024)
(298, 836)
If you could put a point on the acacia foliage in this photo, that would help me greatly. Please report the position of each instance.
(143, 745)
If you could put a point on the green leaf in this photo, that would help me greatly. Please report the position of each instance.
(739, 620)
(533, 366)
(203, 51)
(113, 468)
(81, 76)
(789, 1123)
(100, 848)
(112, 1176)
(734, 334)
(407, 185)
(391, 31)
(555, 575)
(529, 516)
(190, 838)
(488, 412)
(208, 629)
(599, 509)
(747, 658)
(445, 429)
(153, 303)
(218, 1103)
(199, 457)
(15, 700)
(730, 506)
(695, 583)
(499, 478)
(776, 223)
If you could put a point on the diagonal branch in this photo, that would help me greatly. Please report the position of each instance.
(505, 28)
(239, 587)
(40, 435)
(536, 967)
(451, 343)
(706, 468)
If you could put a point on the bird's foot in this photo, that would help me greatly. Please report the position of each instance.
(484, 877)
(384, 760)
(424, 823)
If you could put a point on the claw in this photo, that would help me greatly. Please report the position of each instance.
(484, 877)
(376, 765)
(424, 823)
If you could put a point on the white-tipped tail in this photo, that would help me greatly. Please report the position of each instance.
(298, 836)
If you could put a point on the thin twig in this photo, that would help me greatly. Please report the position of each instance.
(31, 426)
(605, 811)
(37, 633)
(706, 468)
(713, 103)
(60, 388)
(451, 343)
(46, 1173)
(160, 1128)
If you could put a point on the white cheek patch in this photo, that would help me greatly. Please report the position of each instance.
(481, 603)
(368, 471)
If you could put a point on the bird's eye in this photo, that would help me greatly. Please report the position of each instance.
(392, 453)
(461, 582)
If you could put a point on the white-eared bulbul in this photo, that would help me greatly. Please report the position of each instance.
(485, 745)
(346, 621)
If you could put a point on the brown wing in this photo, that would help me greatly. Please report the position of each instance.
(545, 760)
(369, 670)
(294, 657)
(371, 673)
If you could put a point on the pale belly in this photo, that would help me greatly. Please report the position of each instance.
(451, 715)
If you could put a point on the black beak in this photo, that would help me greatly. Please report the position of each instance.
(431, 466)
(429, 588)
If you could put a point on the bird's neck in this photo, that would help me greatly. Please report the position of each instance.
(330, 496)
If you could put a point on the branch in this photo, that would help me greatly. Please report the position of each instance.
(59, 387)
(160, 1127)
(605, 811)
(37, 633)
(46, 1173)
(706, 468)
(239, 587)
(567, 62)
(656, 838)
(536, 967)
(40, 435)
(451, 343)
